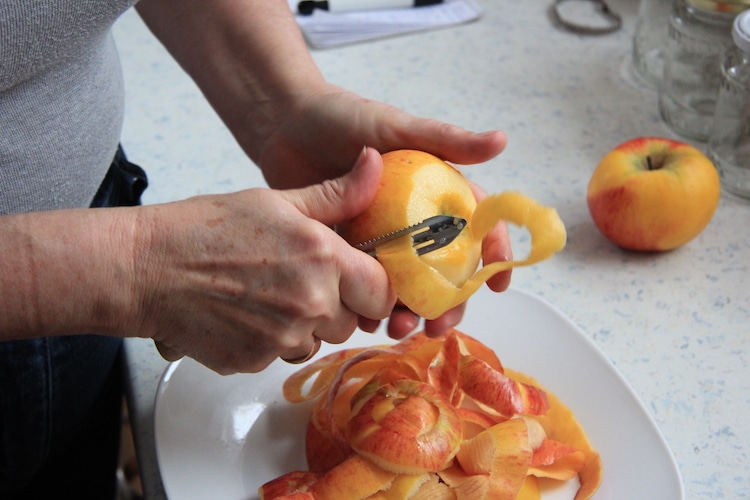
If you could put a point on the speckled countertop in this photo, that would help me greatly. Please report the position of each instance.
(676, 325)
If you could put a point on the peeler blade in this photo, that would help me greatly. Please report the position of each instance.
(429, 235)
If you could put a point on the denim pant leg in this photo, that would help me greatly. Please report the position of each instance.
(60, 404)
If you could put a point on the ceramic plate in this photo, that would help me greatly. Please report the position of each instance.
(222, 437)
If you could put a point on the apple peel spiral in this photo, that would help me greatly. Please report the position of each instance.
(431, 418)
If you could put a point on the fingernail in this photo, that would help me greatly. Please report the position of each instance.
(415, 321)
(362, 155)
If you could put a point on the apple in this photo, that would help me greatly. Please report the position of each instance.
(415, 186)
(653, 194)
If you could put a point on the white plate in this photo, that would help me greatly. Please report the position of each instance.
(222, 437)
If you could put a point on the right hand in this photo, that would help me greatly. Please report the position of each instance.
(236, 280)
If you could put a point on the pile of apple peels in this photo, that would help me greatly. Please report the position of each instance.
(431, 419)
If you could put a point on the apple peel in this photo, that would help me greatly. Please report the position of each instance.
(560, 424)
(429, 294)
(418, 419)
(355, 478)
(402, 415)
(502, 453)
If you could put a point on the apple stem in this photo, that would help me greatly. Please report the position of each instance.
(650, 164)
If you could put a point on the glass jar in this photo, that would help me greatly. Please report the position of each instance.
(699, 32)
(729, 144)
(650, 39)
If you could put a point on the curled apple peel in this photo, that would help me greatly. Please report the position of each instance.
(400, 417)
(429, 294)
(431, 418)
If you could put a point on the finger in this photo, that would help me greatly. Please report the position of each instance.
(338, 328)
(166, 352)
(402, 322)
(364, 286)
(368, 325)
(495, 247)
(449, 142)
(316, 342)
(363, 283)
(300, 351)
(343, 198)
(443, 324)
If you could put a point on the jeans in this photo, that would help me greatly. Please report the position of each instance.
(61, 397)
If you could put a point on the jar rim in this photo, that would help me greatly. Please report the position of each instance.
(728, 6)
(741, 31)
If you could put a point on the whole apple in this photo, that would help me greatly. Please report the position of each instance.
(653, 194)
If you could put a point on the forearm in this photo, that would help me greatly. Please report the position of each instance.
(247, 56)
(64, 272)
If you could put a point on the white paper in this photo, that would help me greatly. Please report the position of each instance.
(325, 29)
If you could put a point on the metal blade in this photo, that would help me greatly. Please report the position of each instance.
(427, 236)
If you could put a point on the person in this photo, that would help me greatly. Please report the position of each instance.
(233, 280)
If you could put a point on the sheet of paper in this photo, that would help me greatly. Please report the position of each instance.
(325, 29)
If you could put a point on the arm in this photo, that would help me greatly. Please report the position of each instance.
(65, 272)
(250, 60)
(247, 56)
(233, 281)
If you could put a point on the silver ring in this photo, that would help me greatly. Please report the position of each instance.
(308, 356)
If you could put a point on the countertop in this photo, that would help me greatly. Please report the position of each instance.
(675, 324)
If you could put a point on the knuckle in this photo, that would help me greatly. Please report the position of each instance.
(342, 329)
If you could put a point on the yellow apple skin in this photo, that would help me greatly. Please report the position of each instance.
(653, 194)
(415, 186)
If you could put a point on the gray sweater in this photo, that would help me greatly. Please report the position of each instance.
(61, 101)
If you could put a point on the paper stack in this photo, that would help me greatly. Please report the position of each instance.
(325, 29)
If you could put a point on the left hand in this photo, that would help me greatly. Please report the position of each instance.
(321, 137)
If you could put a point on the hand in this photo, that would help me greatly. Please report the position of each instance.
(318, 138)
(254, 67)
(236, 280)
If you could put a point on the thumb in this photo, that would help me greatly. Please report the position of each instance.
(343, 198)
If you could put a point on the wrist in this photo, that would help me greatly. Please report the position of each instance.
(64, 273)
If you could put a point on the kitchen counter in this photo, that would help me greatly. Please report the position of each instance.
(676, 325)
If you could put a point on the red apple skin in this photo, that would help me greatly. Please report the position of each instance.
(653, 194)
